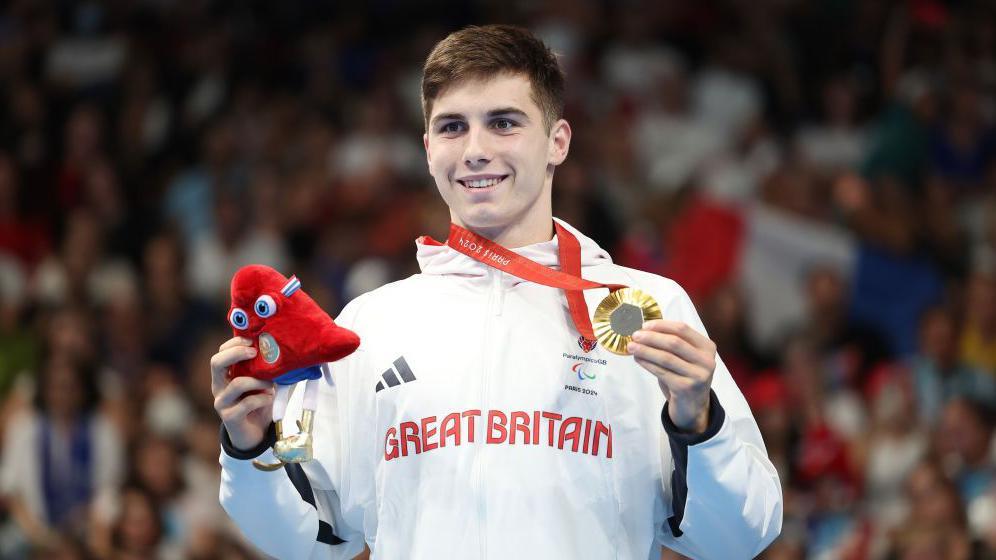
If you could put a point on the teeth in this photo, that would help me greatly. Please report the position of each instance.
(481, 183)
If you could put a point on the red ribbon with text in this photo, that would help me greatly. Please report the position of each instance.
(568, 278)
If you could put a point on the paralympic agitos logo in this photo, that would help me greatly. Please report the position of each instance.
(584, 367)
(582, 373)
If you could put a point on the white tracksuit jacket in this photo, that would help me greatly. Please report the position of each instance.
(471, 424)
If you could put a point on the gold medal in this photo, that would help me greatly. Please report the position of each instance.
(621, 314)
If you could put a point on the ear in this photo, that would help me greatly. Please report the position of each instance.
(560, 142)
(425, 142)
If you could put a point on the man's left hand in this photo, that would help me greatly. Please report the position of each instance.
(683, 360)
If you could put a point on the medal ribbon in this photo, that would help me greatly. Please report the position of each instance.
(568, 279)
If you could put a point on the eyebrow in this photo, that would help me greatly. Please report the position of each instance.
(491, 114)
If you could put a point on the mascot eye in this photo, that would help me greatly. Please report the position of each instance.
(265, 306)
(238, 319)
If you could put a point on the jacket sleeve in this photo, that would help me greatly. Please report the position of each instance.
(726, 499)
(296, 512)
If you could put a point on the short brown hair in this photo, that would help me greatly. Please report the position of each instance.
(486, 51)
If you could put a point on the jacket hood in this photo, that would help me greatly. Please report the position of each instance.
(439, 259)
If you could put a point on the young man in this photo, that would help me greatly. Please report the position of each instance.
(473, 422)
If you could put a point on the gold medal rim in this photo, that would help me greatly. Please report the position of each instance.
(608, 338)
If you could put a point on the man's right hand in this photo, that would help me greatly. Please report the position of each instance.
(245, 404)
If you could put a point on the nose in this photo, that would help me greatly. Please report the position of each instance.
(477, 151)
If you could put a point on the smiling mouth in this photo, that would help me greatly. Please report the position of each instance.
(480, 184)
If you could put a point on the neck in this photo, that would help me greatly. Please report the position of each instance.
(536, 228)
(512, 237)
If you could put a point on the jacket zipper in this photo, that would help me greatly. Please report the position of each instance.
(494, 309)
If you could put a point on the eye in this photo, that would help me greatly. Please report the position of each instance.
(503, 124)
(265, 306)
(238, 319)
(451, 127)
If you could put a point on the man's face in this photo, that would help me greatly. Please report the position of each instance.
(492, 157)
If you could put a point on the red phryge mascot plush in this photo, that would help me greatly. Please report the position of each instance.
(294, 337)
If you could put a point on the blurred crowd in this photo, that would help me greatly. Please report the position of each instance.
(819, 175)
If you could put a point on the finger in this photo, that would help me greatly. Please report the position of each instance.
(237, 389)
(653, 368)
(221, 361)
(669, 381)
(225, 358)
(235, 341)
(682, 330)
(672, 343)
(247, 405)
(663, 360)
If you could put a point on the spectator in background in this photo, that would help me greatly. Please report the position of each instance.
(198, 378)
(124, 341)
(881, 210)
(82, 273)
(374, 154)
(138, 531)
(768, 395)
(670, 142)
(83, 144)
(22, 235)
(18, 341)
(851, 348)
(962, 145)
(893, 445)
(154, 487)
(192, 194)
(963, 441)
(937, 371)
(235, 240)
(166, 411)
(982, 521)
(977, 344)
(103, 196)
(935, 527)
(146, 117)
(25, 130)
(211, 534)
(724, 317)
(59, 456)
(70, 332)
(836, 142)
(156, 471)
(726, 95)
(823, 468)
(175, 320)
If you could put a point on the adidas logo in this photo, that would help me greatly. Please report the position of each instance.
(391, 379)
